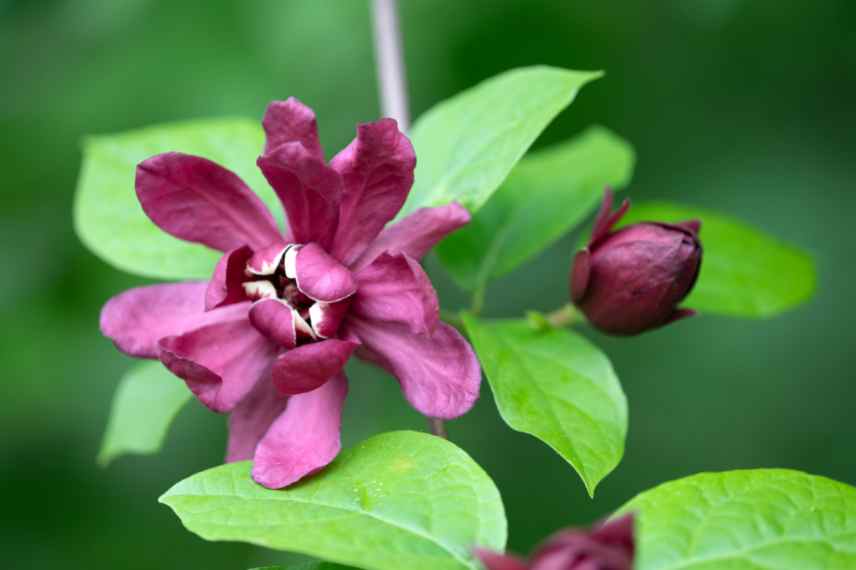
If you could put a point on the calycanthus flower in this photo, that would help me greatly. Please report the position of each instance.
(631, 280)
(266, 339)
(609, 546)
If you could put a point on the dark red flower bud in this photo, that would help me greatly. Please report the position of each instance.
(631, 280)
(609, 546)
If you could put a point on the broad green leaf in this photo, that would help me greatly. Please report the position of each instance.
(744, 272)
(397, 500)
(307, 566)
(546, 194)
(467, 145)
(108, 217)
(146, 402)
(747, 520)
(558, 387)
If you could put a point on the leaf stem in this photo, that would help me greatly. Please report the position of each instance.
(565, 316)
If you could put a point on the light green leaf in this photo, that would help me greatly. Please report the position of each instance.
(397, 500)
(744, 272)
(558, 387)
(747, 520)
(546, 194)
(467, 145)
(146, 401)
(109, 219)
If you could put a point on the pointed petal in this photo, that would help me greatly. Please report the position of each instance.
(580, 273)
(227, 284)
(439, 373)
(681, 314)
(326, 317)
(416, 234)
(496, 561)
(395, 288)
(692, 226)
(606, 219)
(304, 438)
(289, 121)
(197, 200)
(321, 277)
(309, 190)
(250, 419)
(377, 171)
(137, 319)
(618, 531)
(220, 362)
(307, 367)
(275, 320)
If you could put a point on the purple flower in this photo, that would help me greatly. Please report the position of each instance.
(631, 280)
(266, 339)
(610, 546)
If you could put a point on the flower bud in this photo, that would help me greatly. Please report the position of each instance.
(609, 546)
(631, 280)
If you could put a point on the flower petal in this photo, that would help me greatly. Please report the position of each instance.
(275, 320)
(304, 438)
(326, 317)
(439, 373)
(309, 190)
(265, 261)
(606, 218)
(416, 234)
(321, 277)
(306, 367)
(250, 419)
(137, 319)
(197, 200)
(226, 286)
(377, 172)
(290, 121)
(220, 362)
(496, 561)
(394, 288)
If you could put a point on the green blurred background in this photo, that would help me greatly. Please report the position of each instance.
(744, 106)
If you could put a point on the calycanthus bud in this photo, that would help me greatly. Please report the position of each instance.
(631, 280)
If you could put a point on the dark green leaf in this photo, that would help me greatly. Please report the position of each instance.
(558, 387)
(744, 272)
(547, 194)
(747, 520)
(146, 401)
(110, 221)
(467, 145)
(398, 500)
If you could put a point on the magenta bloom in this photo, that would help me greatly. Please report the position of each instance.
(609, 546)
(631, 280)
(266, 339)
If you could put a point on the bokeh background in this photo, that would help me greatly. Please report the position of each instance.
(744, 106)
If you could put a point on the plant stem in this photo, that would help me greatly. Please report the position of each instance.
(392, 83)
(565, 316)
(392, 80)
(437, 427)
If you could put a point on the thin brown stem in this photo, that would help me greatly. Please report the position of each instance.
(437, 427)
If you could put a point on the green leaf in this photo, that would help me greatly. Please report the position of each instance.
(110, 221)
(546, 195)
(146, 402)
(747, 520)
(397, 500)
(744, 272)
(467, 145)
(558, 387)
